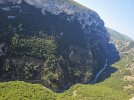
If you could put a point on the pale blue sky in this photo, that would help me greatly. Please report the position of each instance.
(117, 14)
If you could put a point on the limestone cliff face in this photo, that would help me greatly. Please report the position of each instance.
(82, 42)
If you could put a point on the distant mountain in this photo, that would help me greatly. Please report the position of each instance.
(122, 42)
(52, 42)
(116, 35)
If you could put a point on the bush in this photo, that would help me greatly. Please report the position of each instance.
(32, 46)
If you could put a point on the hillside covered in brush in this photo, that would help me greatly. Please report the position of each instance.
(53, 42)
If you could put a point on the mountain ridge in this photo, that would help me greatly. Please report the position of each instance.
(56, 45)
(117, 34)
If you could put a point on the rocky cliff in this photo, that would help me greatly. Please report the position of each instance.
(53, 42)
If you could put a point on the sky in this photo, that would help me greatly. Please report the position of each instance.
(116, 14)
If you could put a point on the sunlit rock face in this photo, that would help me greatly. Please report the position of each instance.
(82, 40)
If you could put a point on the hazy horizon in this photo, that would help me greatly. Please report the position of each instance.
(117, 15)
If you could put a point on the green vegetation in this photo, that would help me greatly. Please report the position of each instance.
(92, 92)
(41, 51)
(123, 72)
(125, 66)
(25, 71)
(32, 46)
(24, 91)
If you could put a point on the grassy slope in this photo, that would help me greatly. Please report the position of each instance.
(92, 92)
(126, 65)
(26, 91)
